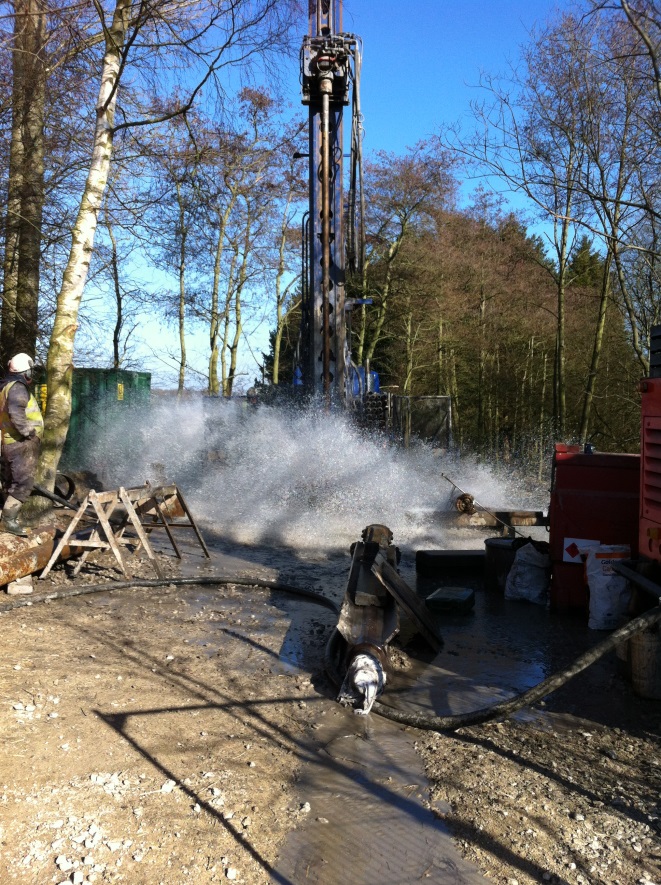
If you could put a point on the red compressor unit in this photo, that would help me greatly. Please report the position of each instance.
(649, 538)
(594, 499)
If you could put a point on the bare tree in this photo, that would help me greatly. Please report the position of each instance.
(20, 303)
(204, 34)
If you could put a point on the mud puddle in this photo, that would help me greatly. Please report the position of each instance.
(368, 820)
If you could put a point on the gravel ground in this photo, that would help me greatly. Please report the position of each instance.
(156, 736)
(580, 803)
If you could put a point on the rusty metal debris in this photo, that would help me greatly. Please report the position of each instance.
(24, 556)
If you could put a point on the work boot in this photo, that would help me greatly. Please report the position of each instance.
(9, 522)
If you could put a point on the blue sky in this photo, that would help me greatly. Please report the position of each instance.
(422, 59)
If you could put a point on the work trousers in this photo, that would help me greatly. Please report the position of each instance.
(19, 467)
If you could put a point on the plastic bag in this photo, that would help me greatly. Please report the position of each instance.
(529, 576)
(610, 593)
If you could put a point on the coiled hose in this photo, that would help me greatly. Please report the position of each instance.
(206, 580)
(424, 721)
(503, 709)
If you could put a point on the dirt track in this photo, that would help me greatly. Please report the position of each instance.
(157, 736)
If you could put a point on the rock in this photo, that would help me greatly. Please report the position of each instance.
(232, 873)
(20, 587)
(168, 786)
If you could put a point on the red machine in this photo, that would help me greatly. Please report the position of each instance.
(594, 498)
(649, 538)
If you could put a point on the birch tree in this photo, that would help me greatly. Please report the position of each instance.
(201, 37)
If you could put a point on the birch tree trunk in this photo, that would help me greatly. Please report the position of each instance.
(10, 275)
(238, 294)
(119, 315)
(60, 352)
(279, 294)
(214, 324)
(225, 343)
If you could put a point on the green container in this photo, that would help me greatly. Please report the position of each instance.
(98, 398)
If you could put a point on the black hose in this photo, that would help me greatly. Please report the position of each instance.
(54, 497)
(212, 580)
(503, 709)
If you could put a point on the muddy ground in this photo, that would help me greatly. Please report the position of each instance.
(159, 736)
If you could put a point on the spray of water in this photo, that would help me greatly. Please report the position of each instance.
(303, 479)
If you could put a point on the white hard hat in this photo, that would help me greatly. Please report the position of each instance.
(20, 364)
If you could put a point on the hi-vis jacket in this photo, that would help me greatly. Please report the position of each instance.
(20, 414)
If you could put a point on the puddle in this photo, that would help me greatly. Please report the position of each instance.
(368, 822)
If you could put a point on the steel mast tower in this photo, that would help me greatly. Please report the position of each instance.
(330, 62)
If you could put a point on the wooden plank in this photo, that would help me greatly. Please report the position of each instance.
(105, 525)
(407, 599)
(94, 539)
(65, 537)
(166, 526)
(137, 525)
(184, 507)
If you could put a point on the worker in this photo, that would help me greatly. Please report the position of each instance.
(251, 397)
(21, 429)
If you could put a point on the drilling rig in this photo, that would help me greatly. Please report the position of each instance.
(332, 232)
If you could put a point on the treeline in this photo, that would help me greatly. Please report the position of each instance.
(535, 338)
(148, 174)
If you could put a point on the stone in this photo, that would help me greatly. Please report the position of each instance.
(20, 587)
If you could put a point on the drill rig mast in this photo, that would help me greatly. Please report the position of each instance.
(330, 66)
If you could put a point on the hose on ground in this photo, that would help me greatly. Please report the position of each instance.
(503, 709)
(424, 721)
(206, 580)
(53, 496)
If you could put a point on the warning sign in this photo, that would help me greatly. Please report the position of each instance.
(571, 551)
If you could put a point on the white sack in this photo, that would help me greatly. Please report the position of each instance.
(610, 593)
(529, 576)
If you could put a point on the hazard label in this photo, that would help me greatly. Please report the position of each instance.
(571, 551)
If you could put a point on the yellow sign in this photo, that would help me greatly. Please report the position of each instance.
(120, 391)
